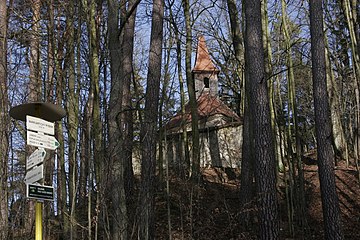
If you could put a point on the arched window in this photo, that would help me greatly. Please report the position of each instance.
(206, 82)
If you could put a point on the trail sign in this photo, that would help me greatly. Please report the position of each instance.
(35, 158)
(41, 140)
(40, 192)
(46, 112)
(39, 125)
(35, 174)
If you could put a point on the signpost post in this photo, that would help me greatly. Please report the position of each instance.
(40, 118)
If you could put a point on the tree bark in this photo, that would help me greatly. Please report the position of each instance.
(118, 214)
(247, 163)
(185, 153)
(126, 116)
(330, 204)
(265, 165)
(4, 123)
(195, 167)
(148, 134)
(121, 41)
(238, 44)
(92, 9)
(72, 116)
(34, 58)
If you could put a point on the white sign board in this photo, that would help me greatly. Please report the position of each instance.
(34, 174)
(35, 158)
(41, 140)
(39, 125)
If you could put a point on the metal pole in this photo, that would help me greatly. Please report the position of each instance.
(38, 221)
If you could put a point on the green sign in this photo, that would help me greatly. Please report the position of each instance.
(40, 192)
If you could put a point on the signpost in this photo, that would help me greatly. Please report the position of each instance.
(40, 118)
(39, 125)
(35, 158)
(40, 192)
(38, 139)
(35, 174)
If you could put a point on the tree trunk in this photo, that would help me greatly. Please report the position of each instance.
(296, 196)
(265, 165)
(247, 165)
(148, 134)
(195, 167)
(4, 124)
(72, 117)
(351, 15)
(128, 17)
(339, 139)
(167, 76)
(93, 12)
(121, 41)
(185, 154)
(237, 42)
(330, 204)
(34, 58)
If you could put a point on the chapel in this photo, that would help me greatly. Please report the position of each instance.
(220, 127)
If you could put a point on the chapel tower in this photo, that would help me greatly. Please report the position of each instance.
(205, 73)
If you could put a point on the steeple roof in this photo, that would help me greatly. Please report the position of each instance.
(203, 62)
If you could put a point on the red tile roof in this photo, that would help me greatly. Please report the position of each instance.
(210, 108)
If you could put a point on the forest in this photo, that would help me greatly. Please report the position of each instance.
(188, 119)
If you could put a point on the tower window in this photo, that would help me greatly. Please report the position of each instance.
(206, 82)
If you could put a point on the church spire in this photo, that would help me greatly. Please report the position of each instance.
(203, 62)
(205, 72)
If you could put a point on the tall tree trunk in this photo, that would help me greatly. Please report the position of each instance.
(195, 169)
(330, 204)
(4, 124)
(34, 58)
(349, 7)
(118, 215)
(148, 134)
(48, 86)
(167, 76)
(93, 12)
(121, 43)
(247, 187)
(34, 85)
(296, 197)
(96, 131)
(237, 42)
(339, 139)
(265, 164)
(247, 166)
(72, 116)
(185, 154)
(58, 52)
(128, 16)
